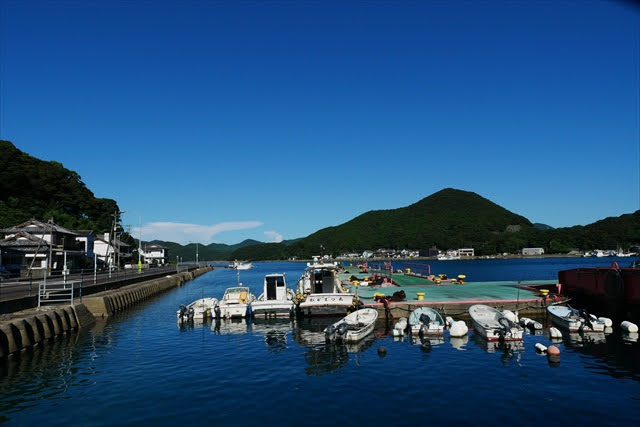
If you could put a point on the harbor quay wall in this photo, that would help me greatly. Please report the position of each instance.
(17, 304)
(36, 327)
(105, 304)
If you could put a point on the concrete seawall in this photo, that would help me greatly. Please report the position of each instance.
(37, 327)
(105, 304)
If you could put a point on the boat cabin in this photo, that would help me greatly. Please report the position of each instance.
(239, 295)
(275, 287)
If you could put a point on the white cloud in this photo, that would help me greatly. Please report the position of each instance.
(184, 233)
(274, 236)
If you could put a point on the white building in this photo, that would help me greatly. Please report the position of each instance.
(532, 251)
(466, 252)
(155, 254)
(108, 250)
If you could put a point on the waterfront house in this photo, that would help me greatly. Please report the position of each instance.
(111, 250)
(466, 252)
(532, 251)
(155, 254)
(33, 247)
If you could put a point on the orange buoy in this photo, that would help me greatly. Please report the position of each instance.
(553, 354)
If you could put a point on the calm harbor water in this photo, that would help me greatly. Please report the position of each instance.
(141, 367)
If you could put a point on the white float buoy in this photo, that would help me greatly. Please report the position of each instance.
(400, 326)
(458, 329)
(449, 321)
(510, 315)
(628, 326)
(607, 322)
(541, 348)
(534, 325)
(630, 336)
(555, 332)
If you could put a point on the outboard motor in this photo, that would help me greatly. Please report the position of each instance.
(191, 314)
(505, 327)
(183, 311)
(330, 333)
(216, 310)
(341, 330)
(425, 321)
(587, 319)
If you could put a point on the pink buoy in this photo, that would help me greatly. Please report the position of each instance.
(552, 350)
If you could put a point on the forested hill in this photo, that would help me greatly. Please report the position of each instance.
(449, 218)
(452, 219)
(33, 188)
(213, 251)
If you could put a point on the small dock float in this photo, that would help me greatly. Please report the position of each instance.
(449, 297)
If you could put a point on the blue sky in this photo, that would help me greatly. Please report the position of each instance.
(220, 121)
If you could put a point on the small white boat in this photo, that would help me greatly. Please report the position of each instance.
(235, 302)
(575, 320)
(493, 325)
(426, 321)
(241, 265)
(353, 327)
(276, 299)
(199, 310)
(323, 294)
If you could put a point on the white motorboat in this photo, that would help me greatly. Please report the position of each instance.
(426, 321)
(276, 299)
(198, 310)
(575, 320)
(353, 327)
(241, 265)
(322, 292)
(235, 302)
(493, 325)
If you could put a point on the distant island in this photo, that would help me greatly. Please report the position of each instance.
(447, 219)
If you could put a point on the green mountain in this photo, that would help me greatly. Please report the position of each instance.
(542, 226)
(451, 219)
(33, 188)
(211, 252)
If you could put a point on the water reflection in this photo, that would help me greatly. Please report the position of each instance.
(459, 343)
(275, 332)
(234, 325)
(510, 350)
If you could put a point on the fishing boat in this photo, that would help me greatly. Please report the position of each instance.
(276, 300)
(575, 320)
(236, 302)
(426, 321)
(353, 327)
(320, 291)
(493, 325)
(198, 310)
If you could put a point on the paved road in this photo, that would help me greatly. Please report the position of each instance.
(20, 288)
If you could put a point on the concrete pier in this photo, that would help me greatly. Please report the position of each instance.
(35, 327)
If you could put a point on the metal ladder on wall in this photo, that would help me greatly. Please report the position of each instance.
(58, 292)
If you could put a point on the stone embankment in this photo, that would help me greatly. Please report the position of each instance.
(38, 326)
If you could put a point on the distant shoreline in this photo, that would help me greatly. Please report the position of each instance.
(474, 258)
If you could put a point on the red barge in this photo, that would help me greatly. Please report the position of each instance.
(614, 286)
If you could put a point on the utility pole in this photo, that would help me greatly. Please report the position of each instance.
(50, 247)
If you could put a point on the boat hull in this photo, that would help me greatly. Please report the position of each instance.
(272, 308)
(486, 324)
(436, 325)
(234, 310)
(572, 322)
(360, 324)
(327, 305)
